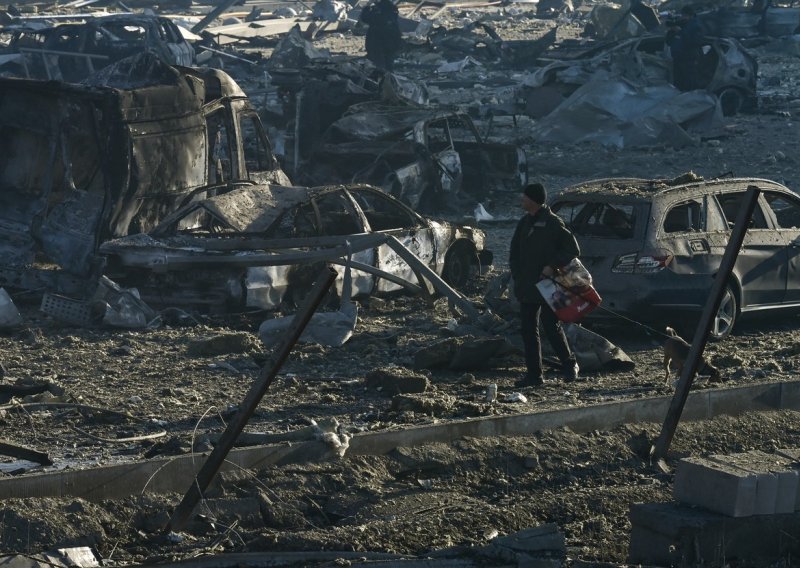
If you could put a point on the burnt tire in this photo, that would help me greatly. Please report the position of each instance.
(458, 265)
(725, 318)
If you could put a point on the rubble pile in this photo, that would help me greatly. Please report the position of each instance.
(176, 179)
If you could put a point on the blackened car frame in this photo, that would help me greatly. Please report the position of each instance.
(257, 246)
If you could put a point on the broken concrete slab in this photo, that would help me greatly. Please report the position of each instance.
(396, 380)
(537, 539)
(223, 344)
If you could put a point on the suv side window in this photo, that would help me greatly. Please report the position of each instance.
(785, 209)
(685, 217)
(731, 202)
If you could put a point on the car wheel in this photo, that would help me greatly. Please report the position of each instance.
(731, 101)
(458, 265)
(725, 318)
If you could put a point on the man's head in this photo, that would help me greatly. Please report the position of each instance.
(533, 197)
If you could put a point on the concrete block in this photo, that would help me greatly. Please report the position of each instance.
(793, 455)
(777, 485)
(724, 489)
(670, 534)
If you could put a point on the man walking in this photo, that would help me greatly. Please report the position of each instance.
(540, 245)
(685, 42)
(383, 33)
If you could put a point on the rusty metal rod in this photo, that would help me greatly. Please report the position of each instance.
(659, 450)
(226, 442)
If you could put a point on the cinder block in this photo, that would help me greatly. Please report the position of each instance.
(793, 455)
(715, 486)
(777, 485)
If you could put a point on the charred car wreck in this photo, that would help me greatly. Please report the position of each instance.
(726, 69)
(81, 164)
(431, 159)
(73, 51)
(257, 245)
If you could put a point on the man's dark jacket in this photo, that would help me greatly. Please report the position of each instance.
(540, 240)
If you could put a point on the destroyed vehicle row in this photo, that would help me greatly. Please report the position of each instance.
(654, 247)
(183, 150)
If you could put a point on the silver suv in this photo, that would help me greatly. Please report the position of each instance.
(654, 246)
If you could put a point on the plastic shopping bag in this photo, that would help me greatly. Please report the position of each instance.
(570, 293)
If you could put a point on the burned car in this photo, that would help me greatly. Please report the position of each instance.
(72, 52)
(256, 245)
(654, 246)
(726, 69)
(432, 160)
(80, 164)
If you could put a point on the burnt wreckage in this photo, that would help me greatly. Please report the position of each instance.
(81, 164)
(177, 177)
(73, 51)
(256, 246)
(431, 159)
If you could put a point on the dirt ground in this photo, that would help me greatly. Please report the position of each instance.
(184, 380)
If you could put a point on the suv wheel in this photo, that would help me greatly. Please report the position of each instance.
(725, 318)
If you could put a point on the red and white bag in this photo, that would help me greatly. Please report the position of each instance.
(569, 292)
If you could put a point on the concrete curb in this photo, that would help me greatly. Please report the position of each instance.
(173, 475)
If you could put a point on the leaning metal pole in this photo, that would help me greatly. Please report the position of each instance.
(215, 460)
(661, 446)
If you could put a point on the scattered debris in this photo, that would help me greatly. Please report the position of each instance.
(431, 159)
(396, 380)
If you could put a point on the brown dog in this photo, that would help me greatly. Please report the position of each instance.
(676, 349)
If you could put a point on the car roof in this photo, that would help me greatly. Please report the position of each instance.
(642, 189)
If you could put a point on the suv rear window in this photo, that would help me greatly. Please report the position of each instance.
(593, 219)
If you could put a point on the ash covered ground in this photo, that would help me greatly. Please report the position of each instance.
(415, 500)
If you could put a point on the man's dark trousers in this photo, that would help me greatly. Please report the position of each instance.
(532, 342)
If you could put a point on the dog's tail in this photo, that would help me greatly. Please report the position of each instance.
(671, 332)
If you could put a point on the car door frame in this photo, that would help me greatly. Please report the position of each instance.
(419, 239)
(760, 264)
(791, 242)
